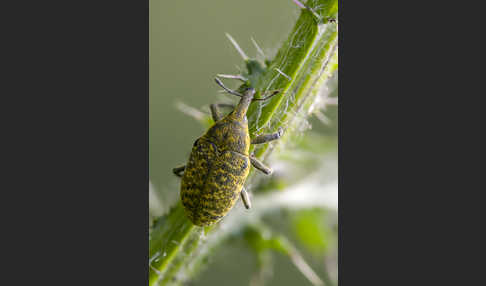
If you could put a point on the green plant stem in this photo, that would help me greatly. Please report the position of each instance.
(308, 57)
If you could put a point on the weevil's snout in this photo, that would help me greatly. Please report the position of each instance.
(250, 93)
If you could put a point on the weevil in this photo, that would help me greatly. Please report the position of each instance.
(219, 163)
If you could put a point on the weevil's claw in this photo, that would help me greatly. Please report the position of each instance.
(332, 20)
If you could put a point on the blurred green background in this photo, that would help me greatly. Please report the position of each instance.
(188, 48)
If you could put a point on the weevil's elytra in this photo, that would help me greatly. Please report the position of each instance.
(220, 163)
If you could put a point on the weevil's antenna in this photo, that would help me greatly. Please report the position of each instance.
(237, 47)
(230, 91)
(265, 98)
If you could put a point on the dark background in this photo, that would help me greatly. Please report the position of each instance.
(74, 185)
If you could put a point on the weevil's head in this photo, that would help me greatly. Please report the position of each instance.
(245, 91)
(247, 95)
(256, 71)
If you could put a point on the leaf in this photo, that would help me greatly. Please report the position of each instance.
(261, 239)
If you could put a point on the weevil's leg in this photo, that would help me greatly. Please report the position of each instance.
(260, 166)
(245, 198)
(215, 110)
(179, 170)
(232, 106)
(267, 137)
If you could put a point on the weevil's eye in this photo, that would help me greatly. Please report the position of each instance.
(195, 143)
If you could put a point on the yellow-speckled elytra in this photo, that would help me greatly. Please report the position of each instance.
(212, 180)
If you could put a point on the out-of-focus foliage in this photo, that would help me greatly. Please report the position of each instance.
(312, 230)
